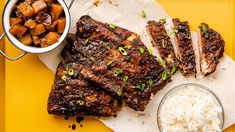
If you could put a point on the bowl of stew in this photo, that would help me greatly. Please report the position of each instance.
(36, 26)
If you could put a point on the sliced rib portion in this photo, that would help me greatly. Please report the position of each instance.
(185, 47)
(162, 42)
(211, 46)
(121, 64)
(72, 95)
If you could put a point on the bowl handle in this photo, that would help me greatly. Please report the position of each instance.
(6, 56)
(70, 4)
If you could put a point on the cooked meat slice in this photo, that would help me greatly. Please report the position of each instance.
(121, 63)
(71, 95)
(211, 46)
(163, 44)
(185, 47)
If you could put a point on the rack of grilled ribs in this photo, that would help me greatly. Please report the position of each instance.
(104, 64)
(72, 95)
(211, 48)
(163, 43)
(185, 47)
(109, 64)
(121, 64)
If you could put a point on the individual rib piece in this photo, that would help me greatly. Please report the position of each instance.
(163, 44)
(121, 62)
(72, 95)
(185, 47)
(211, 46)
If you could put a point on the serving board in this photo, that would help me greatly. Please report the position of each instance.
(28, 81)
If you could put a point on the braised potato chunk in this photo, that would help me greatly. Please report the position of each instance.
(26, 9)
(61, 25)
(18, 30)
(15, 21)
(38, 23)
(36, 40)
(50, 38)
(56, 9)
(52, 26)
(30, 23)
(39, 5)
(26, 39)
(39, 29)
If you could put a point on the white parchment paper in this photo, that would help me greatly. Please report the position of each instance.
(126, 13)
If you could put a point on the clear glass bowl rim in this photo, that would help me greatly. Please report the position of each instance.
(189, 84)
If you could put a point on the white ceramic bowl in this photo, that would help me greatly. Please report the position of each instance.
(30, 49)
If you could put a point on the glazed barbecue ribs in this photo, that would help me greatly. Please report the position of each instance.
(72, 95)
(185, 47)
(163, 44)
(102, 65)
(211, 46)
(122, 65)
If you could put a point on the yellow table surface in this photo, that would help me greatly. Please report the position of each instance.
(28, 81)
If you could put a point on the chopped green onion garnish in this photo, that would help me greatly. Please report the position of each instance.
(122, 50)
(150, 82)
(176, 30)
(188, 35)
(204, 30)
(141, 50)
(70, 72)
(64, 78)
(84, 53)
(143, 14)
(164, 43)
(109, 63)
(117, 72)
(150, 51)
(92, 58)
(127, 47)
(85, 42)
(173, 69)
(107, 46)
(112, 26)
(139, 86)
(125, 78)
(162, 63)
(77, 91)
(80, 102)
(164, 75)
(119, 92)
(163, 20)
(173, 31)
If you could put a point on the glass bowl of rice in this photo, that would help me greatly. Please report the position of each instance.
(188, 108)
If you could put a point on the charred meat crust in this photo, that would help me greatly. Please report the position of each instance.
(76, 96)
(184, 44)
(212, 49)
(120, 63)
(162, 42)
